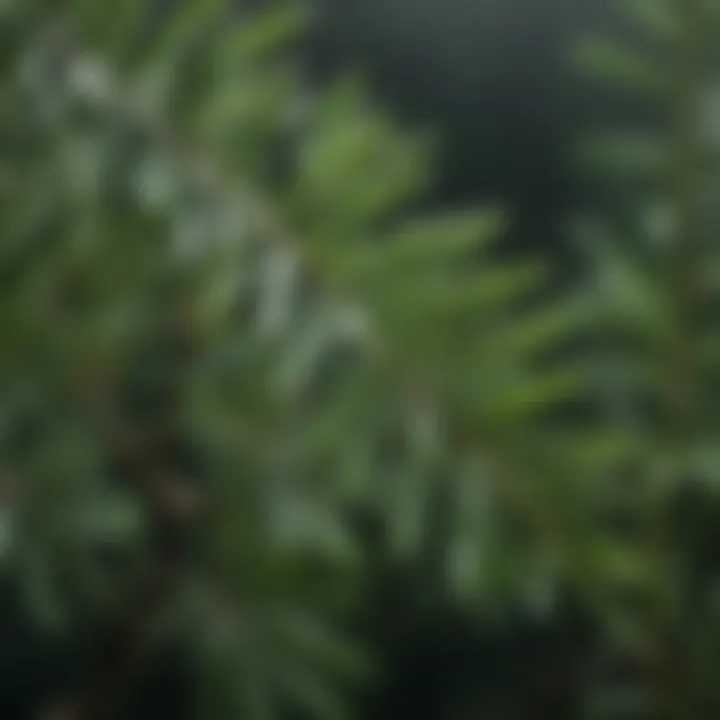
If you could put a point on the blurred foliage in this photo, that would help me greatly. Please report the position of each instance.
(215, 305)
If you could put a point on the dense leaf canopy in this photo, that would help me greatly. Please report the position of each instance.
(223, 329)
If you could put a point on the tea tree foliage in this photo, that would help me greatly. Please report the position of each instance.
(221, 331)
